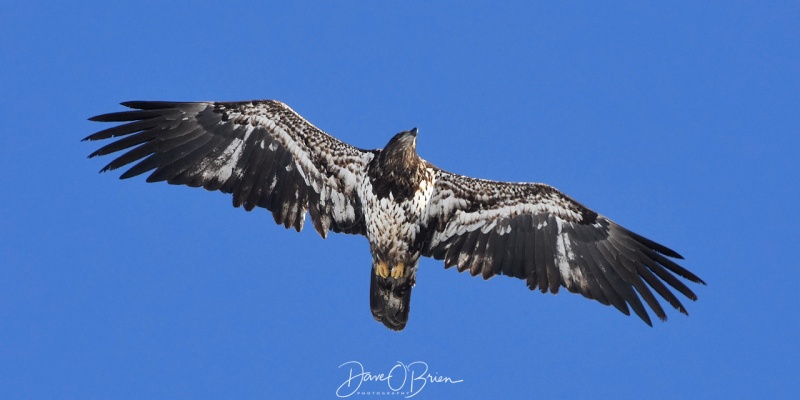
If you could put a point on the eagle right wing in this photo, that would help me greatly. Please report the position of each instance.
(262, 152)
(534, 232)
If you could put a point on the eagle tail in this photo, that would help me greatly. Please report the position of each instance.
(389, 299)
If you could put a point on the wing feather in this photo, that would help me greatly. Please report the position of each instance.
(262, 152)
(478, 257)
(555, 279)
(494, 253)
(254, 175)
(466, 249)
(602, 289)
(667, 277)
(510, 266)
(536, 233)
(611, 283)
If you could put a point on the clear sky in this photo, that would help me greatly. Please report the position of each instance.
(678, 121)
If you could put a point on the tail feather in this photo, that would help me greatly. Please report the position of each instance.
(389, 299)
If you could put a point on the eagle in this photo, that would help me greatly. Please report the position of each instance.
(266, 155)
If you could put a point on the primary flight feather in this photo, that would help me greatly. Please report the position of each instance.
(266, 155)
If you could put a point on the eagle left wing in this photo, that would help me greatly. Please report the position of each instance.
(262, 152)
(534, 232)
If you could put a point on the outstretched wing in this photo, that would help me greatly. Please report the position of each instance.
(262, 152)
(534, 232)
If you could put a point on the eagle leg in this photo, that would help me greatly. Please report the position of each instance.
(398, 270)
(382, 269)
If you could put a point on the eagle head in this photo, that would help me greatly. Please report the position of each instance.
(401, 151)
(398, 162)
(405, 141)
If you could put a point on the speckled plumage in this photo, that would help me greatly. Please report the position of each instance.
(268, 156)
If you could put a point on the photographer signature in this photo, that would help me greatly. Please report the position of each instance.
(408, 379)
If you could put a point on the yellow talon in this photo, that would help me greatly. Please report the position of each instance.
(398, 270)
(382, 269)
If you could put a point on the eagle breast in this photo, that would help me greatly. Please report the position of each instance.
(396, 196)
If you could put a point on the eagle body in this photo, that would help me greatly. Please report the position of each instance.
(266, 155)
(396, 193)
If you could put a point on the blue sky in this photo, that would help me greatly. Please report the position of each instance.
(678, 121)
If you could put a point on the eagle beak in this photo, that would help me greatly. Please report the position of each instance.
(413, 132)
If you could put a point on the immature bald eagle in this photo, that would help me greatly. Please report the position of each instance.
(268, 156)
